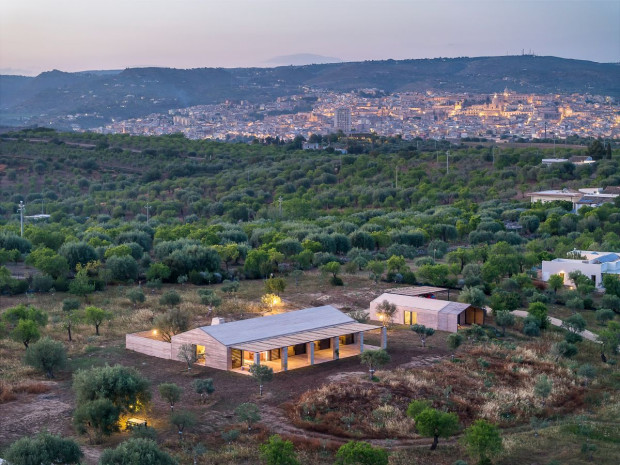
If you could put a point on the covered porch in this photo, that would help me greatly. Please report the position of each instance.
(306, 348)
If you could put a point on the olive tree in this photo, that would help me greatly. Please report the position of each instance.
(96, 316)
(46, 355)
(171, 393)
(374, 359)
(204, 387)
(248, 413)
(261, 374)
(423, 332)
(434, 423)
(483, 440)
(386, 311)
(172, 322)
(187, 354)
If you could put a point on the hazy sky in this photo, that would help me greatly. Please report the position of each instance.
(73, 35)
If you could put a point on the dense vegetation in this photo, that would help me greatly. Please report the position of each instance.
(166, 211)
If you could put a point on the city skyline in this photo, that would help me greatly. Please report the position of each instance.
(36, 36)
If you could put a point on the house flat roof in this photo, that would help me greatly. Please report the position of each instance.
(303, 337)
(416, 290)
(272, 326)
(422, 303)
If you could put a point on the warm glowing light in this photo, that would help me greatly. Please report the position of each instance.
(154, 332)
(271, 300)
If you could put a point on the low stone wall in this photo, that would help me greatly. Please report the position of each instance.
(138, 342)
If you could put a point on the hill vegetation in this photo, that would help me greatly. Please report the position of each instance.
(165, 233)
(136, 92)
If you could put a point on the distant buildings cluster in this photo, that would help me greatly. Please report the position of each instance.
(430, 115)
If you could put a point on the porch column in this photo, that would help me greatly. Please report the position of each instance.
(284, 358)
(360, 338)
(384, 338)
(256, 358)
(310, 352)
(335, 347)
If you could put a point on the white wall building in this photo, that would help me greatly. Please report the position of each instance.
(593, 266)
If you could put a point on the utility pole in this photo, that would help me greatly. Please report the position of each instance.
(396, 173)
(447, 161)
(21, 209)
(280, 203)
(148, 208)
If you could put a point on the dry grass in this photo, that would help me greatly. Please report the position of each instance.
(495, 382)
(9, 391)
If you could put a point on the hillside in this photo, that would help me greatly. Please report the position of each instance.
(99, 97)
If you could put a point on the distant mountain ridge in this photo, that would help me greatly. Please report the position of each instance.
(136, 92)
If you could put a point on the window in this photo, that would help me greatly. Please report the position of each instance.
(200, 354)
(411, 318)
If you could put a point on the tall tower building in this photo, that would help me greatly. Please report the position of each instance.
(342, 120)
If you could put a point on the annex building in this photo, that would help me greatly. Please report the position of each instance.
(420, 305)
(285, 341)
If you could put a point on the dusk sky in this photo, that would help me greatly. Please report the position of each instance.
(74, 35)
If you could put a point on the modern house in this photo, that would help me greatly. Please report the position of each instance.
(593, 265)
(591, 196)
(284, 341)
(425, 309)
(575, 160)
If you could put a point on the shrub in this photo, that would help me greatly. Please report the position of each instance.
(538, 312)
(43, 449)
(530, 328)
(170, 298)
(182, 419)
(248, 413)
(361, 453)
(604, 315)
(135, 451)
(98, 416)
(124, 386)
(277, 451)
(42, 283)
(564, 349)
(483, 440)
(455, 340)
(47, 356)
(136, 296)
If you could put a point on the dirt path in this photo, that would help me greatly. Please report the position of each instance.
(274, 418)
(43, 411)
(589, 335)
